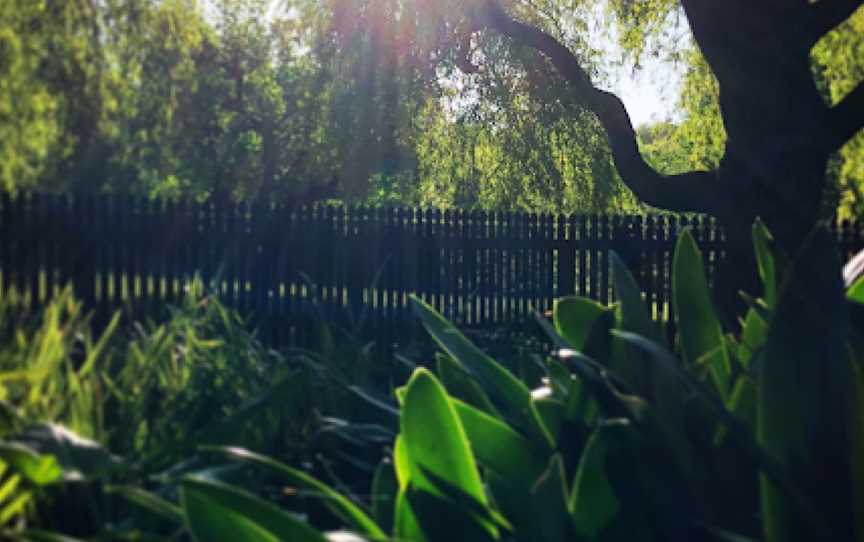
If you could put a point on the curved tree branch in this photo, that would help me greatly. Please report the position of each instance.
(846, 118)
(694, 191)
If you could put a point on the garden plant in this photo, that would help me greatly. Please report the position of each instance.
(751, 434)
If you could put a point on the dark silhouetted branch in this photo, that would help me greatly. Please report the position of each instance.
(694, 191)
(846, 118)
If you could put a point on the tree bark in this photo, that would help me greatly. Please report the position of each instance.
(693, 191)
(780, 133)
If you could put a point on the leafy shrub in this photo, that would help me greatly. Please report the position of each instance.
(740, 435)
(149, 392)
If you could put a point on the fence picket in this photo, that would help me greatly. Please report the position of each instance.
(475, 267)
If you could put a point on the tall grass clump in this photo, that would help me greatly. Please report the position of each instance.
(149, 392)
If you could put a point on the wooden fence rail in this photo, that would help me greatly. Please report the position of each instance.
(283, 264)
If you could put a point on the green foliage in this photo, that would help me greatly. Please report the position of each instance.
(698, 140)
(673, 451)
(151, 397)
(313, 101)
(838, 69)
(620, 438)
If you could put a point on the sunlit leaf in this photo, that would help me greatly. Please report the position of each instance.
(217, 511)
(346, 510)
(512, 395)
(698, 327)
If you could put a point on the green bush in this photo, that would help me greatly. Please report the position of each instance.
(151, 393)
(753, 434)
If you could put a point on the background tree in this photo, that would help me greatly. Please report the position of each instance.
(780, 131)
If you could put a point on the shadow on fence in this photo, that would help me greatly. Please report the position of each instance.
(287, 265)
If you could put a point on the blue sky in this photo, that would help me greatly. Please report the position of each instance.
(650, 94)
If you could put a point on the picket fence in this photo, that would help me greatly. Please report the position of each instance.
(289, 266)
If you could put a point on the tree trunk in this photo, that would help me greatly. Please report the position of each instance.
(780, 132)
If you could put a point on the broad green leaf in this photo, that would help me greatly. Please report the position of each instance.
(435, 439)
(802, 386)
(406, 526)
(94, 353)
(765, 262)
(856, 291)
(217, 511)
(593, 503)
(443, 518)
(148, 501)
(594, 378)
(340, 505)
(463, 501)
(460, 385)
(38, 469)
(560, 378)
(513, 395)
(400, 394)
(550, 499)
(698, 327)
(754, 331)
(580, 407)
(550, 411)
(744, 401)
(401, 462)
(630, 363)
(634, 312)
(574, 318)
(500, 448)
(694, 387)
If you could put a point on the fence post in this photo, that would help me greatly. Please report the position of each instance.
(566, 256)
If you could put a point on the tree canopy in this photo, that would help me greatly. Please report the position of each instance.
(450, 103)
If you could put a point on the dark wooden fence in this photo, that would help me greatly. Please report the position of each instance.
(292, 265)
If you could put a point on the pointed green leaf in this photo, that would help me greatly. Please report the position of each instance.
(574, 318)
(550, 499)
(802, 392)
(401, 462)
(435, 439)
(753, 334)
(634, 313)
(149, 501)
(765, 262)
(698, 327)
(513, 396)
(593, 503)
(406, 526)
(551, 413)
(340, 505)
(218, 511)
(442, 518)
(856, 291)
(560, 378)
(500, 448)
(460, 385)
